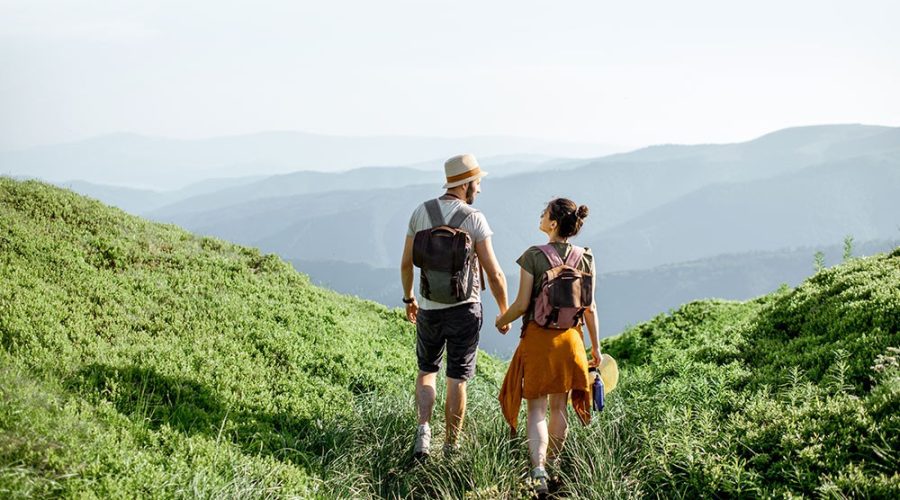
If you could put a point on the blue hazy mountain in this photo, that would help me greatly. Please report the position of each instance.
(819, 204)
(138, 201)
(632, 203)
(159, 163)
(359, 179)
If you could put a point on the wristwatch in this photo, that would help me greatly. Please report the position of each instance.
(409, 300)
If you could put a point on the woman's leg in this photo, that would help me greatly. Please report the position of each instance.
(559, 424)
(537, 431)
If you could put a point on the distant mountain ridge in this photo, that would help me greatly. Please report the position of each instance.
(822, 203)
(160, 163)
(810, 141)
(137, 201)
(618, 191)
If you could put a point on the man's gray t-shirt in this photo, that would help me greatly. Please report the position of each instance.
(477, 227)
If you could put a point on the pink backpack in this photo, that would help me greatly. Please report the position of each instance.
(565, 293)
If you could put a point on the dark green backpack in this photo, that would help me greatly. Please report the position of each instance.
(446, 256)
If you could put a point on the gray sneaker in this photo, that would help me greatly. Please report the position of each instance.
(423, 442)
(539, 482)
(450, 450)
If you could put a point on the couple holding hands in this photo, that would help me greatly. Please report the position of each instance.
(450, 242)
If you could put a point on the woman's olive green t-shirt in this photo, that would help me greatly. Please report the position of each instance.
(535, 262)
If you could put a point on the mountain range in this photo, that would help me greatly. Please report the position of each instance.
(651, 207)
(158, 163)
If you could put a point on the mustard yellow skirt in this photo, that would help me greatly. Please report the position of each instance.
(546, 362)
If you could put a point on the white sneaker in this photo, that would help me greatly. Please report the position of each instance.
(423, 442)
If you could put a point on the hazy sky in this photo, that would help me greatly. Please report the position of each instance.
(623, 73)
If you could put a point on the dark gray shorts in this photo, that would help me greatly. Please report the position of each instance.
(458, 328)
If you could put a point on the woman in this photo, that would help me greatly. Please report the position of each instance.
(549, 363)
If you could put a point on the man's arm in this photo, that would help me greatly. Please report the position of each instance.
(495, 278)
(406, 279)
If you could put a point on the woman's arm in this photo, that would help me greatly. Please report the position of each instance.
(523, 299)
(593, 326)
(590, 318)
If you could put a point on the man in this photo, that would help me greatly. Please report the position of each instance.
(454, 326)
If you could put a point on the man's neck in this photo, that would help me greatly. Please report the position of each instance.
(449, 195)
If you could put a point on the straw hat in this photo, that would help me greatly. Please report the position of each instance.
(609, 372)
(462, 169)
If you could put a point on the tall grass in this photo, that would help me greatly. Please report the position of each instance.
(378, 463)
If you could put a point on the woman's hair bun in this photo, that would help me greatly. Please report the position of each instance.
(582, 212)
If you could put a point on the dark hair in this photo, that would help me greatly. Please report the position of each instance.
(568, 215)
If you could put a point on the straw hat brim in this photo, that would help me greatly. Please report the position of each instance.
(609, 372)
(479, 175)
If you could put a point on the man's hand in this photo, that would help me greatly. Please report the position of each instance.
(412, 310)
(406, 280)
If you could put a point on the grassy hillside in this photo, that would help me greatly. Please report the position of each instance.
(795, 393)
(140, 361)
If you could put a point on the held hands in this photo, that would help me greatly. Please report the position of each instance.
(501, 328)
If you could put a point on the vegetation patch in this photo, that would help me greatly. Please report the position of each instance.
(138, 360)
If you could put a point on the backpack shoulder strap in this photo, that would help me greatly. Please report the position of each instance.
(461, 214)
(574, 256)
(434, 213)
(552, 255)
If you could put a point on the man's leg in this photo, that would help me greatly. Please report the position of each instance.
(429, 350)
(425, 395)
(455, 408)
(462, 333)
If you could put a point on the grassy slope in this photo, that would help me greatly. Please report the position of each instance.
(140, 360)
(797, 392)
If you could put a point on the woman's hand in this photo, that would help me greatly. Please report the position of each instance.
(519, 306)
(500, 327)
(595, 357)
